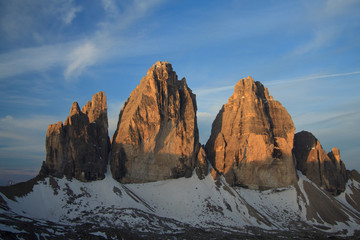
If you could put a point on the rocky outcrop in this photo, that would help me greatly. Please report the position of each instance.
(252, 139)
(201, 164)
(326, 170)
(353, 174)
(157, 136)
(80, 147)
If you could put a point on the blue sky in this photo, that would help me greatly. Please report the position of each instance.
(55, 52)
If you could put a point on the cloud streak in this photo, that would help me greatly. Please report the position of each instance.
(34, 59)
(207, 91)
(77, 55)
(311, 77)
(81, 58)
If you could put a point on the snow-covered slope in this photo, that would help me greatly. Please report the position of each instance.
(179, 208)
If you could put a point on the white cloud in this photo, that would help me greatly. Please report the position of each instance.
(23, 21)
(311, 77)
(23, 128)
(76, 56)
(324, 19)
(80, 58)
(70, 14)
(33, 59)
(339, 7)
(207, 91)
(321, 39)
(111, 8)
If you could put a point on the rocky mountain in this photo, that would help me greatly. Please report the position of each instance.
(157, 136)
(79, 148)
(326, 170)
(252, 139)
(264, 182)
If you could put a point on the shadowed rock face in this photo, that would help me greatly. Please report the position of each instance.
(252, 139)
(80, 147)
(326, 170)
(157, 136)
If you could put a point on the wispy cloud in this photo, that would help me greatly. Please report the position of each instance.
(320, 39)
(206, 91)
(23, 22)
(35, 122)
(23, 100)
(81, 58)
(23, 137)
(338, 7)
(77, 55)
(321, 119)
(69, 13)
(27, 60)
(311, 77)
(324, 22)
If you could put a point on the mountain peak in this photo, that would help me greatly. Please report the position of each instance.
(157, 136)
(80, 147)
(326, 170)
(162, 71)
(252, 138)
(75, 109)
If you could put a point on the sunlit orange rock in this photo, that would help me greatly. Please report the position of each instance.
(157, 135)
(252, 139)
(326, 170)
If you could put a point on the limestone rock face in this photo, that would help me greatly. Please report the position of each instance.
(157, 136)
(201, 164)
(252, 139)
(80, 147)
(326, 170)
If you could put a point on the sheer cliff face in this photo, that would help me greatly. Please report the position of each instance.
(326, 170)
(157, 136)
(80, 147)
(252, 139)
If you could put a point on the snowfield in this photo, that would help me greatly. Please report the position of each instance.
(176, 207)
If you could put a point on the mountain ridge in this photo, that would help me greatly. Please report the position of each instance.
(156, 180)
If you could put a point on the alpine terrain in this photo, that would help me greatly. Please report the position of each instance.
(254, 178)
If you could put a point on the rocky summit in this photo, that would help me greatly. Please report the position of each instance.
(80, 147)
(157, 135)
(326, 170)
(252, 139)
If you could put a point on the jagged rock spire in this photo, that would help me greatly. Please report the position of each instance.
(80, 147)
(326, 170)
